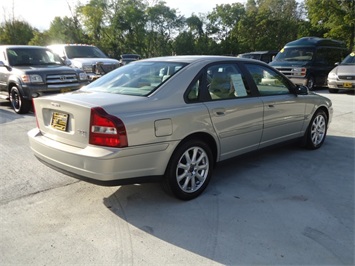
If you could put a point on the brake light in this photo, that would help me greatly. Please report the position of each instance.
(106, 129)
(299, 71)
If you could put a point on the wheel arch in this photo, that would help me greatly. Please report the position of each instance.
(326, 111)
(207, 138)
(14, 81)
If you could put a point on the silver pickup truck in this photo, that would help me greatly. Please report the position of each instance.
(27, 72)
(88, 58)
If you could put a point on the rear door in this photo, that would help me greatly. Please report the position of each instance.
(236, 115)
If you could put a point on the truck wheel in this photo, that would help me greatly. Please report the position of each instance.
(310, 83)
(20, 105)
(189, 170)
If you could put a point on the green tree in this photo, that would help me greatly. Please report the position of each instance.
(336, 18)
(162, 25)
(16, 32)
(269, 24)
(223, 26)
(65, 30)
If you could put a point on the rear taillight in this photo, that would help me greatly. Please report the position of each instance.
(106, 130)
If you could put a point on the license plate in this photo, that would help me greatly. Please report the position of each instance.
(65, 90)
(347, 85)
(59, 121)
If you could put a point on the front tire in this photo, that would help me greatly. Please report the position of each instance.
(317, 130)
(189, 170)
(18, 103)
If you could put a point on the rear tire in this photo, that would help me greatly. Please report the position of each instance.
(189, 170)
(310, 83)
(317, 130)
(18, 103)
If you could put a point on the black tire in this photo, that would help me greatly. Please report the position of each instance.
(18, 103)
(317, 130)
(310, 83)
(189, 170)
(333, 90)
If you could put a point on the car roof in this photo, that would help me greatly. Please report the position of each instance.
(194, 58)
(22, 46)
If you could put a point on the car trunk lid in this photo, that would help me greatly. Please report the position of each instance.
(66, 118)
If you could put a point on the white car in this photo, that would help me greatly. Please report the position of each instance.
(174, 118)
(88, 58)
(342, 77)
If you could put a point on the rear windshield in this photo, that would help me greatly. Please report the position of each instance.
(32, 57)
(295, 54)
(349, 60)
(138, 78)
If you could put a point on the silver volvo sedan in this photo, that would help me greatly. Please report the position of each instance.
(174, 118)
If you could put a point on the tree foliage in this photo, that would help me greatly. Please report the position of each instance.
(151, 28)
(336, 18)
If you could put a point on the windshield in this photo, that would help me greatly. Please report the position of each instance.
(138, 78)
(32, 57)
(349, 60)
(80, 51)
(295, 54)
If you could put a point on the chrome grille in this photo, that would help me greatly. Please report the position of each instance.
(61, 79)
(101, 68)
(346, 77)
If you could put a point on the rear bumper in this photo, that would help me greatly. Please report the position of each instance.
(102, 164)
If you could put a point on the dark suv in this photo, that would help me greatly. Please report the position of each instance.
(28, 72)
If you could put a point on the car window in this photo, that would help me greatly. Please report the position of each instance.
(137, 78)
(225, 81)
(268, 81)
(32, 57)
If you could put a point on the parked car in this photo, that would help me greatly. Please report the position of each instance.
(342, 77)
(88, 58)
(265, 56)
(307, 61)
(174, 118)
(27, 72)
(128, 58)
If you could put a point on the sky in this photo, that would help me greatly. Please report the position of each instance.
(40, 13)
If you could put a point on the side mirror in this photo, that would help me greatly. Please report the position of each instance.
(302, 90)
(67, 62)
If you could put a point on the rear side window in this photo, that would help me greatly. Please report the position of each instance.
(268, 81)
(329, 56)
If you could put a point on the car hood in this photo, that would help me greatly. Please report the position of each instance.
(289, 63)
(92, 61)
(49, 69)
(344, 70)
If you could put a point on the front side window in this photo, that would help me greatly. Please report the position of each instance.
(138, 78)
(268, 81)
